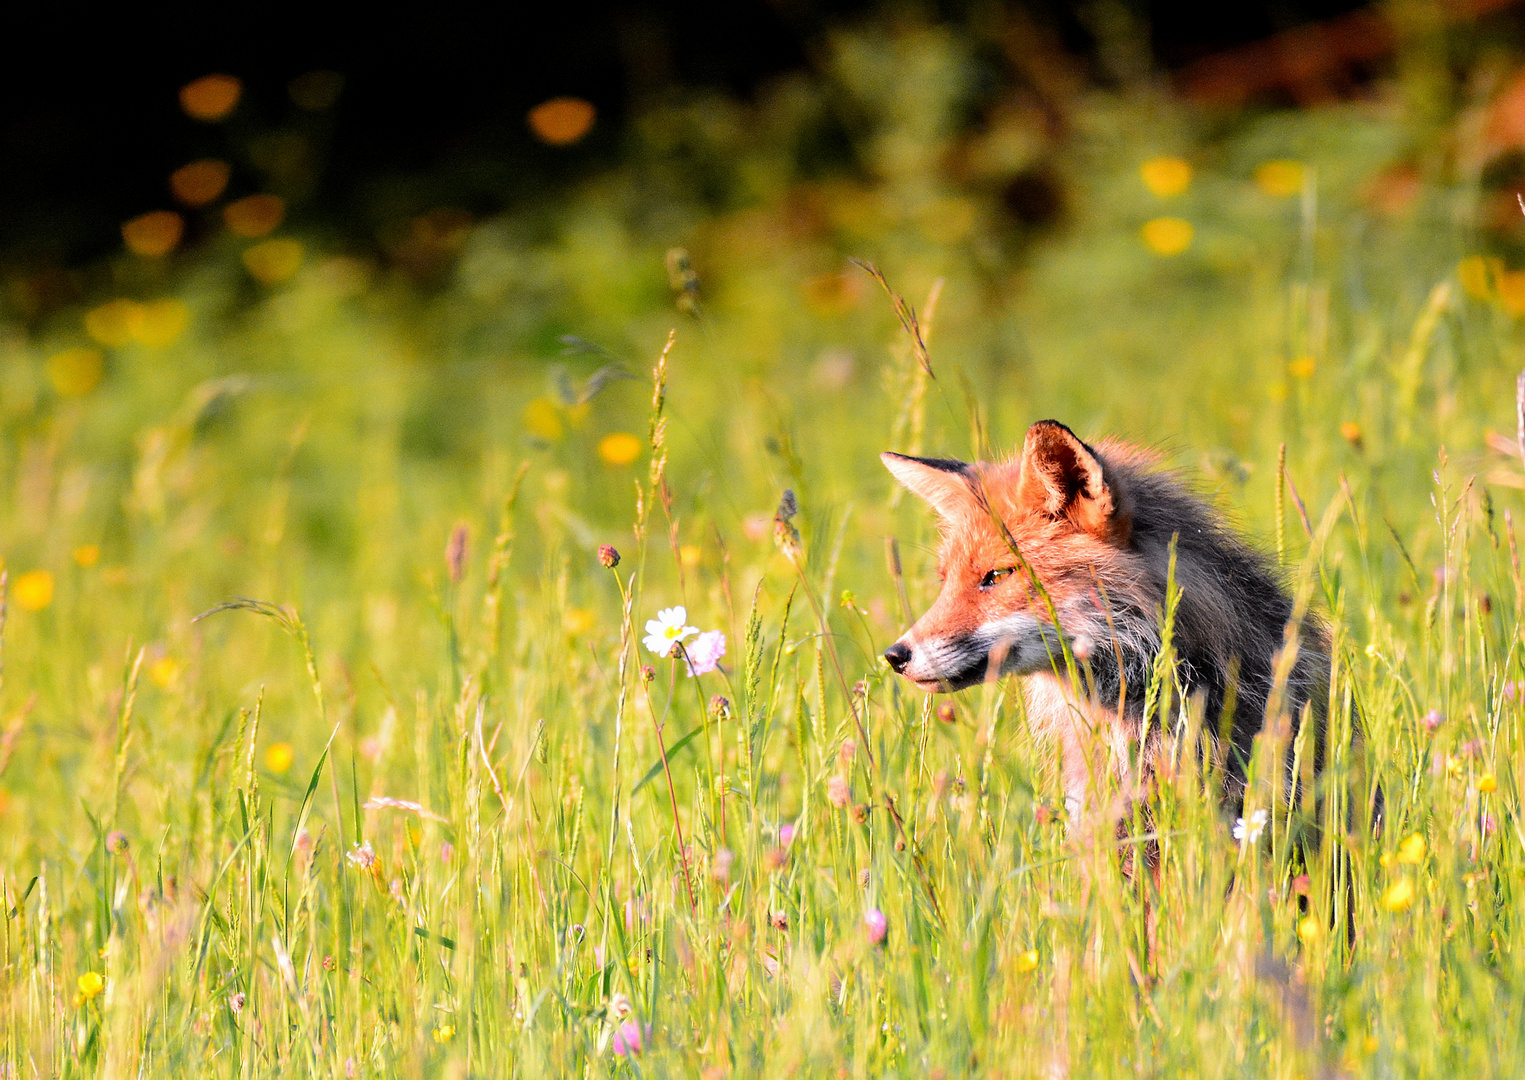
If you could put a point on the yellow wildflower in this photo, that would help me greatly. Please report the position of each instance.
(273, 261)
(619, 448)
(279, 756)
(1166, 176)
(1279, 178)
(1411, 850)
(160, 322)
(1168, 236)
(33, 590)
(75, 372)
(1027, 961)
(1475, 276)
(1399, 896)
(1511, 290)
(164, 670)
(91, 983)
(542, 420)
(114, 323)
(1487, 783)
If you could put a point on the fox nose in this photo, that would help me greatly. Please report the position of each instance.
(898, 656)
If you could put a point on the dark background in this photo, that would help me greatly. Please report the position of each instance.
(435, 97)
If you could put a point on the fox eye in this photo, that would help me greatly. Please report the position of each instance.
(996, 575)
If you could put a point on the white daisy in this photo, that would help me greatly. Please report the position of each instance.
(667, 629)
(1252, 829)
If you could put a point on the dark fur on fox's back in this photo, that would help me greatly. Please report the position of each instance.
(1230, 621)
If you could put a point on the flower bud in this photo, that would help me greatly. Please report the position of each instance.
(876, 925)
(607, 556)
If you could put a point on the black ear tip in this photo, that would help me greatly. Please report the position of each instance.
(947, 465)
(1051, 426)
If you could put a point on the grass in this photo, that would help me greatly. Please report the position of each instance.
(414, 806)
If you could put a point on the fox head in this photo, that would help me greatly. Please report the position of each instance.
(1023, 542)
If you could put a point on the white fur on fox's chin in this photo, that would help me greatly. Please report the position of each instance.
(1020, 644)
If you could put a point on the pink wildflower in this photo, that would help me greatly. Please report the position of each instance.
(786, 835)
(704, 652)
(837, 792)
(720, 866)
(877, 925)
(628, 1039)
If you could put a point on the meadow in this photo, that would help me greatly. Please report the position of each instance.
(330, 744)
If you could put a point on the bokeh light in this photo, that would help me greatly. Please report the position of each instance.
(274, 261)
(114, 323)
(1476, 276)
(161, 322)
(279, 756)
(254, 215)
(153, 234)
(200, 182)
(1280, 179)
(33, 590)
(1166, 176)
(211, 97)
(1168, 236)
(1511, 291)
(543, 420)
(76, 372)
(164, 671)
(619, 448)
(562, 121)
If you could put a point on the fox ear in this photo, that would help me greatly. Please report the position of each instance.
(1062, 477)
(942, 482)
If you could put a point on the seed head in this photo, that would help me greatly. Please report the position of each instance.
(455, 553)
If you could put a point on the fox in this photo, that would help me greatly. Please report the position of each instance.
(1067, 548)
